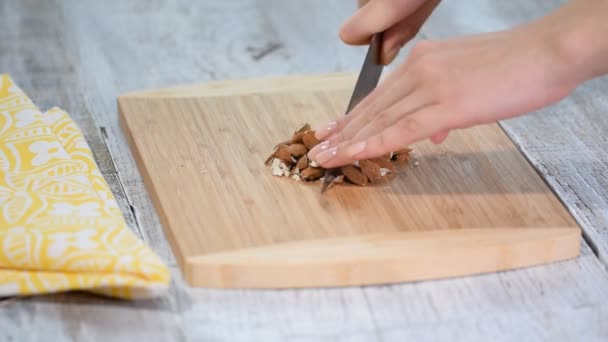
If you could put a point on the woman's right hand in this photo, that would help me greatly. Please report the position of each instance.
(399, 19)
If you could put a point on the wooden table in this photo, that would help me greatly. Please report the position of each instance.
(80, 55)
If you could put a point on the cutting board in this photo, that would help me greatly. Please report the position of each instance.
(471, 205)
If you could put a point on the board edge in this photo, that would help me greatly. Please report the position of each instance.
(377, 259)
(149, 186)
(270, 84)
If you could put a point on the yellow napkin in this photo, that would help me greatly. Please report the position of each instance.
(60, 227)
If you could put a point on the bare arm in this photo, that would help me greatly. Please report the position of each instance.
(472, 80)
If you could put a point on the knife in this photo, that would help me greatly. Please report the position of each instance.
(366, 83)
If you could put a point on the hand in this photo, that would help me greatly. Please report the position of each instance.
(399, 19)
(458, 83)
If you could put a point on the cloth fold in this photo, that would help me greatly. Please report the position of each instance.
(60, 226)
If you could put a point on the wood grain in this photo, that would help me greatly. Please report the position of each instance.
(80, 54)
(383, 258)
(201, 151)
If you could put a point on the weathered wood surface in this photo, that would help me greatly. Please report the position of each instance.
(81, 54)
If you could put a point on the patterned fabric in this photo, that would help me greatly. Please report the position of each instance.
(60, 227)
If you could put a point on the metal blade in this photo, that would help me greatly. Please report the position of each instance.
(366, 83)
(370, 73)
(329, 178)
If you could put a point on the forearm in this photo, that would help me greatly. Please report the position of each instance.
(580, 30)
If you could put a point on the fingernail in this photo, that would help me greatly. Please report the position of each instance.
(325, 131)
(354, 150)
(318, 149)
(326, 155)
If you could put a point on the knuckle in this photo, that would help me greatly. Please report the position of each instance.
(409, 125)
(427, 70)
(381, 120)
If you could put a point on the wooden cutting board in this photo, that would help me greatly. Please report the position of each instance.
(472, 205)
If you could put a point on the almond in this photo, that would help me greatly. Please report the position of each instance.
(354, 174)
(403, 150)
(305, 127)
(281, 144)
(297, 150)
(270, 158)
(285, 156)
(273, 155)
(297, 138)
(385, 164)
(312, 173)
(402, 157)
(302, 163)
(310, 140)
(388, 155)
(402, 154)
(290, 159)
(370, 169)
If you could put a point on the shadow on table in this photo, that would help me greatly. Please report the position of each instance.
(493, 172)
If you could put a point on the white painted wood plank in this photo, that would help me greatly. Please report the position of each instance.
(97, 50)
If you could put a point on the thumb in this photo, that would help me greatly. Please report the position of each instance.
(376, 16)
(402, 32)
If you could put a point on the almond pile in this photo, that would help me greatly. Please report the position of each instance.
(289, 159)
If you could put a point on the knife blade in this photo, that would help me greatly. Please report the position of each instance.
(366, 83)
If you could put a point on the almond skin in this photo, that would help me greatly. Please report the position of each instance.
(402, 154)
(305, 127)
(283, 154)
(403, 150)
(402, 157)
(302, 163)
(370, 169)
(354, 174)
(297, 150)
(312, 173)
(297, 138)
(310, 140)
(281, 144)
(385, 163)
(271, 157)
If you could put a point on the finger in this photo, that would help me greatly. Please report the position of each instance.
(326, 131)
(420, 125)
(378, 109)
(387, 118)
(401, 33)
(376, 16)
(440, 138)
